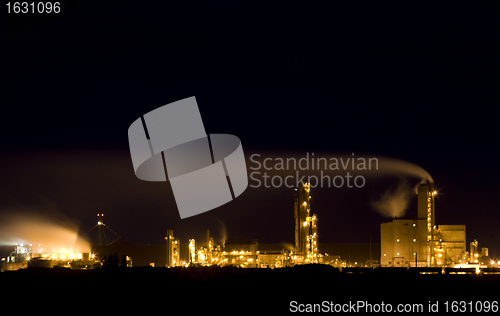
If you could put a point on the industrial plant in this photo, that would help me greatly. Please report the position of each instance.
(30, 255)
(404, 242)
(419, 242)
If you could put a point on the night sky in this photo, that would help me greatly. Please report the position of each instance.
(416, 85)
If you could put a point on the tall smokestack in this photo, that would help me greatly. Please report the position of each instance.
(427, 212)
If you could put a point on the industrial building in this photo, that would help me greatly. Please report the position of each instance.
(452, 242)
(403, 243)
(419, 242)
(245, 252)
(306, 229)
(173, 251)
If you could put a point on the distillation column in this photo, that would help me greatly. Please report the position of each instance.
(306, 229)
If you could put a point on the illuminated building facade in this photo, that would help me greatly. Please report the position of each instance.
(306, 229)
(403, 243)
(241, 252)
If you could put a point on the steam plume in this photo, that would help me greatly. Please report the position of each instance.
(56, 235)
(401, 167)
(394, 202)
(222, 230)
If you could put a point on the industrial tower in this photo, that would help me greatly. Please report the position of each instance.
(427, 212)
(172, 250)
(306, 230)
(101, 235)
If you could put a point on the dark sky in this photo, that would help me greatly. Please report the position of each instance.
(418, 85)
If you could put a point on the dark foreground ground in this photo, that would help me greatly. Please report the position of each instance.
(241, 291)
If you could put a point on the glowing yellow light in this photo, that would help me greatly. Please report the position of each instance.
(414, 240)
(397, 240)
(305, 224)
(305, 203)
(397, 254)
(492, 262)
(385, 254)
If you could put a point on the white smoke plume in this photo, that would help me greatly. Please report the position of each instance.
(394, 203)
(400, 167)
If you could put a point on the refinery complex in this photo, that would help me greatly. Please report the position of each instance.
(404, 243)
